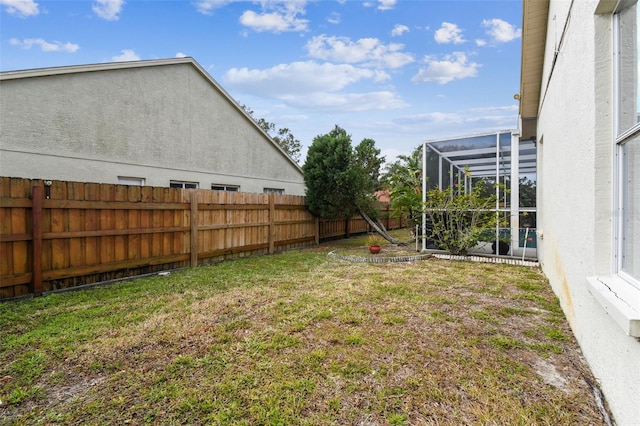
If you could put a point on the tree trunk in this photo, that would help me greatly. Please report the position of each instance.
(379, 228)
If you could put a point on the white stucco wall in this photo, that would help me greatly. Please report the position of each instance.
(163, 122)
(575, 213)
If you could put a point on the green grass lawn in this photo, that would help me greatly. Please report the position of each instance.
(298, 338)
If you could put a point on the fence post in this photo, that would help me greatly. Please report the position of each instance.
(37, 193)
(194, 228)
(317, 231)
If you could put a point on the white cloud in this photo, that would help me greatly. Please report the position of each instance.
(495, 109)
(44, 45)
(480, 42)
(347, 102)
(206, 7)
(501, 31)
(453, 67)
(299, 77)
(272, 22)
(449, 33)
(108, 10)
(181, 55)
(126, 55)
(386, 4)
(366, 51)
(399, 29)
(276, 16)
(437, 124)
(334, 18)
(310, 85)
(21, 8)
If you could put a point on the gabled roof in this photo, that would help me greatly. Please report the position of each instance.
(108, 66)
(535, 15)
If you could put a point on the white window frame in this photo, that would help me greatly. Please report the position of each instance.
(225, 187)
(183, 184)
(277, 191)
(621, 136)
(131, 181)
(618, 293)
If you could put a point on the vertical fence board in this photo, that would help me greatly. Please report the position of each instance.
(76, 222)
(146, 221)
(133, 222)
(193, 222)
(157, 221)
(120, 220)
(107, 222)
(92, 251)
(20, 255)
(272, 223)
(36, 245)
(6, 248)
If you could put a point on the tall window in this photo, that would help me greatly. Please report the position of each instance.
(627, 79)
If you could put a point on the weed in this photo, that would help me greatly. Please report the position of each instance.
(554, 334)
(355, 339)
(484, 316)
(505, 342)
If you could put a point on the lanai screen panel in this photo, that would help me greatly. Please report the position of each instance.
(462, 161)
(482, 156)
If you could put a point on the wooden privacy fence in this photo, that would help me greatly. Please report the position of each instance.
(69, 234)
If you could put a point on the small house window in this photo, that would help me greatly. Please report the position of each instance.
(224, 187)
(183, 184)
(132, 181)
(278, 191)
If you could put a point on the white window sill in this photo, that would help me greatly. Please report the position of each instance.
(619, 299)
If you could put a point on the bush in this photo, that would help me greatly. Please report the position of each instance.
(458, 220)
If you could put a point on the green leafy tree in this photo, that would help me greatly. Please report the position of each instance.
(330, 177)
(368, 157)
(341, 181)
(404, 180)
(368, 162)
(283, 136)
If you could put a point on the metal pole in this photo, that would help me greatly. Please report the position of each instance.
(424, 194)
(515, 192)
(497, 194)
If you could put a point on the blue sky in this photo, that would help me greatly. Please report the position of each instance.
(396, 71)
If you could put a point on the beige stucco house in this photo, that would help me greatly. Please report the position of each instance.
(158, 123)
(579, 98)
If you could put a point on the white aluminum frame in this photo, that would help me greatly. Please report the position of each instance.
(497, 165)
(619, 140)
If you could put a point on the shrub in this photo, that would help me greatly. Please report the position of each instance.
(458, 219)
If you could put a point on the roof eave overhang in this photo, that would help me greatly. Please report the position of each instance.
(535, 15)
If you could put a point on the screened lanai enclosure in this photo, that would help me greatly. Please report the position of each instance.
(507, 167)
